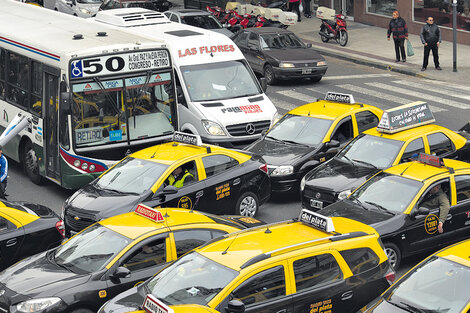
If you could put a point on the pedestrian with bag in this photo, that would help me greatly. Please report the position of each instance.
(431, 39)
(294, 5)
(3, 174)
(398, 28)
(307, 10)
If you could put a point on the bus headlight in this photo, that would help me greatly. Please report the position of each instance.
(84, 166)
(92, 167)
(76, 163)
(213, 128)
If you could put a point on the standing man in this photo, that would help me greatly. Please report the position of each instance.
(3, 174)
(398, 27)
(294, 6)
(307, 10)
(431, 38)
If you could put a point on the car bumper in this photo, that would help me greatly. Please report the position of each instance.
(286, 73)
(315, 199)
(282, 184)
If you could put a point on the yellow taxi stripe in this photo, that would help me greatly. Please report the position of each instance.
(17, 217)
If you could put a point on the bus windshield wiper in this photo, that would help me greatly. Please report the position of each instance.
(381, 208)
(366, 163)
(114, 104)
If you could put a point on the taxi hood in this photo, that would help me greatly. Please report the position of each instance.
(102, 202)
(127, 301)
(350, 209)
(278, 152)
(39, 276)
(339, 175)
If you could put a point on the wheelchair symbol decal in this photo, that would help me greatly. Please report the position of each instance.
(76, 69)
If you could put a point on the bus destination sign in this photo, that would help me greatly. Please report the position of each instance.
(119, 63)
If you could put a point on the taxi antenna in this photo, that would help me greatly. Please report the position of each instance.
(166, 213)
(267, 231)
(226, 249)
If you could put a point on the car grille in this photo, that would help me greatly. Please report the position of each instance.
(78, 221)
(325, 196)
(302, 65)
(241, 129)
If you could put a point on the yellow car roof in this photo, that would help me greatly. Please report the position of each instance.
(244, 245)
(169, 152)
(328, 110)
(458, 253)
(407, 134)
(133, 225)
(419, 171)
(17, 217)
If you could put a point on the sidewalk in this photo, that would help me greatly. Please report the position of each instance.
(368, 45)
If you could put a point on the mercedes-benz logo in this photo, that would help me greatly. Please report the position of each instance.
(318, 195)
(2, 292)
(250, 129)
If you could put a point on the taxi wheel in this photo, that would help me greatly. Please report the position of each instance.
(393, 254)
(269, 74)
(247, 205)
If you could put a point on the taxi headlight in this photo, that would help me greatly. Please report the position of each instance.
(213, 128)
(302, 184)
(321, 63)
(276, 118)
(286, 65)
(283, 170)
(344, 194)
(36, 305)
(85, 11)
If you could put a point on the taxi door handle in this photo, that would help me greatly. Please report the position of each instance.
(199, 193)
(11, 242)
(347, 295)
(449, 217)
(236, 181)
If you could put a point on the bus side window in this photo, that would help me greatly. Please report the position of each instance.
(36, 88)
(2, 74)
(179, 91)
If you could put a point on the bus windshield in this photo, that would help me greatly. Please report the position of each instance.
(124, 109)
(219, 81)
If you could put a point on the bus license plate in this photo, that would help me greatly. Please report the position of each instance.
(316, 204)
(307, 71)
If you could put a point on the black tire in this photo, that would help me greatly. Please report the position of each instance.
(393, 254)
(324, 31)
(343, 38)
(30, 163)
(268, 73)
(81, 311)
(315, 79)
(247, 204)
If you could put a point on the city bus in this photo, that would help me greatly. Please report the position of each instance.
(92, 93)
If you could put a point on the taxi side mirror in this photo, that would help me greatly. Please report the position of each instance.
(332, 144)
(235, 306)
(420, 211)
(168, 190)
(121, 272)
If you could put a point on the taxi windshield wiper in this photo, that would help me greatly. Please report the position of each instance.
(358, 202)
(409, 307)
(365, 162)
(275, 139)
(349, 160)
(296, 143)
(381, 208)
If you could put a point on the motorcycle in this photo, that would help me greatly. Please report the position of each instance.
(334, 29)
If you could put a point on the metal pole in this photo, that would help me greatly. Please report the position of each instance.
(454, 32)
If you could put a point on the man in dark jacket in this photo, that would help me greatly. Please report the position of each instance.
(399, 29)
(431, 38)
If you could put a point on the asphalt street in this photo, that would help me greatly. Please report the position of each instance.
(367, 84)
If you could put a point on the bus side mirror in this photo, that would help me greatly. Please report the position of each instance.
(264, 84)
(65, 102)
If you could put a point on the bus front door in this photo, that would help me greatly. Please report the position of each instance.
(52, 126)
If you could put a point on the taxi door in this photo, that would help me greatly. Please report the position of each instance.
(11, 239)
(142, 261)
(224, 177)
(458, 219)
(320, 285)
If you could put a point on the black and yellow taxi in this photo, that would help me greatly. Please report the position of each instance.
(437, 284)
(406, 203)
(183, 173)
(311, 134)
(107, 258)
(314, 264)
(379, 148)
(26, 229)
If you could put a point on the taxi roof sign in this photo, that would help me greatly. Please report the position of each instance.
(316, 220)
(405, 116)
(430, 159)
(149, 213)
(153, 305)
(187, 138)
(339, 97)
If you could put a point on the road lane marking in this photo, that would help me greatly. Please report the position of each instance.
(297, 95)
(448, 85)
(446, 91)
(356, 76)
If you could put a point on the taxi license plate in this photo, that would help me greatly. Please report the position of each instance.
(316, 204)
(307, 71)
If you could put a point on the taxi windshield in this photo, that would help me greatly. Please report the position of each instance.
(377, 151)
(219, 81)
(90, 250)
(381, 192)
(437, 285)
(300, 129)
(131, 176)
(193, 279)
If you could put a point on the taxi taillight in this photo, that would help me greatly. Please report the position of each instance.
(390, 276)
(60, 227)
(264, 168)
